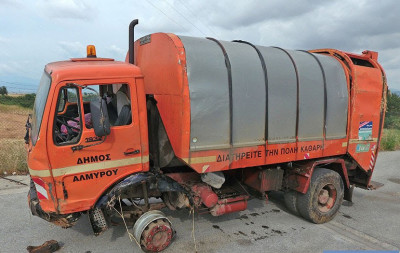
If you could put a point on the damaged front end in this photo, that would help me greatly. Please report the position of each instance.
(132, 197)
(62, 220)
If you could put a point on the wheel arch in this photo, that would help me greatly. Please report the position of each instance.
(154, 181)
(299, 179)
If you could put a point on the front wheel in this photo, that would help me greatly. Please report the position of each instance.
(323, 198)
(153, 231)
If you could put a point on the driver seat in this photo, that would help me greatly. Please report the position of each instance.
(124, 117)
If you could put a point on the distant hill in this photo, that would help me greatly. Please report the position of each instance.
(19, 84)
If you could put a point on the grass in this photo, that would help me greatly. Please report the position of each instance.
(12, 146)
(14, 109)
(390, 140)
(13, 156)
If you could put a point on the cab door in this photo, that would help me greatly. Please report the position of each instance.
(81, 176)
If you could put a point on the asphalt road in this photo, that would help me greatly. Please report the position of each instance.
(371, 222)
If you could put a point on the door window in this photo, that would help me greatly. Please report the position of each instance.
(118, 101)
(67, 126)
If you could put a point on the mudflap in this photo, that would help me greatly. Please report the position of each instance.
(348, 193)
(62, 220)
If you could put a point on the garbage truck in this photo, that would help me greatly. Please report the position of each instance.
(201, 124)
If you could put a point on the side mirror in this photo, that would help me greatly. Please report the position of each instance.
(100, 120)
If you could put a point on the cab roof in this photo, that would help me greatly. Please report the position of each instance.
(90, 68)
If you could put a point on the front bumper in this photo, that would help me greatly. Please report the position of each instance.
(63, 220)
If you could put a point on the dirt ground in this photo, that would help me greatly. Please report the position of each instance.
(15, 95)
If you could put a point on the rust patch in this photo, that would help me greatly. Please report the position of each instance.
(64, 222)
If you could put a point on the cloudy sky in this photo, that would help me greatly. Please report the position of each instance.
(33, 33)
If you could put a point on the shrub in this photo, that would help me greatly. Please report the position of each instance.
(26, 100)
(390, 140)
(392, 119)
(3, 90)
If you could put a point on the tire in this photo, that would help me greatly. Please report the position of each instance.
(290, 198)
(323, 198)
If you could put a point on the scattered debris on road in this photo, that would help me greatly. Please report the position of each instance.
(47, 247)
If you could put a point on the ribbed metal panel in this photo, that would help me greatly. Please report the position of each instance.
(230, 106)
(282, 95)
(248, 95)
(209, 100)
(337, 97)
(311, 97)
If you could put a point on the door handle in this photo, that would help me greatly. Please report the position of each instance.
(131, 151)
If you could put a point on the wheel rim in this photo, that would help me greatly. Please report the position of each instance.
(327, 198)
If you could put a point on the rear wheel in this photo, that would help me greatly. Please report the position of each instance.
(290, 198)
(323, 197)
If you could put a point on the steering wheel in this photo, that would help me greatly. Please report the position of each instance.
(65, 118)
(60, 137)
(70, 133)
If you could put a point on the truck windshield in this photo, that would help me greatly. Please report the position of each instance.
(38, 108)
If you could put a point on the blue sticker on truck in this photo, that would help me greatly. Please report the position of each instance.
(365, 131)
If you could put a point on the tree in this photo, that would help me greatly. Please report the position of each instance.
(392, 119)
(3, 90)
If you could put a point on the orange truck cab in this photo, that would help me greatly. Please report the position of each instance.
(201, 123)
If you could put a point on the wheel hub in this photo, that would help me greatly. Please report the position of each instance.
(153, 231)
(157, 236)
(327, 198)
(323, 197)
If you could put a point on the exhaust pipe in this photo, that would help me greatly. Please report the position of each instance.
(132, 40)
